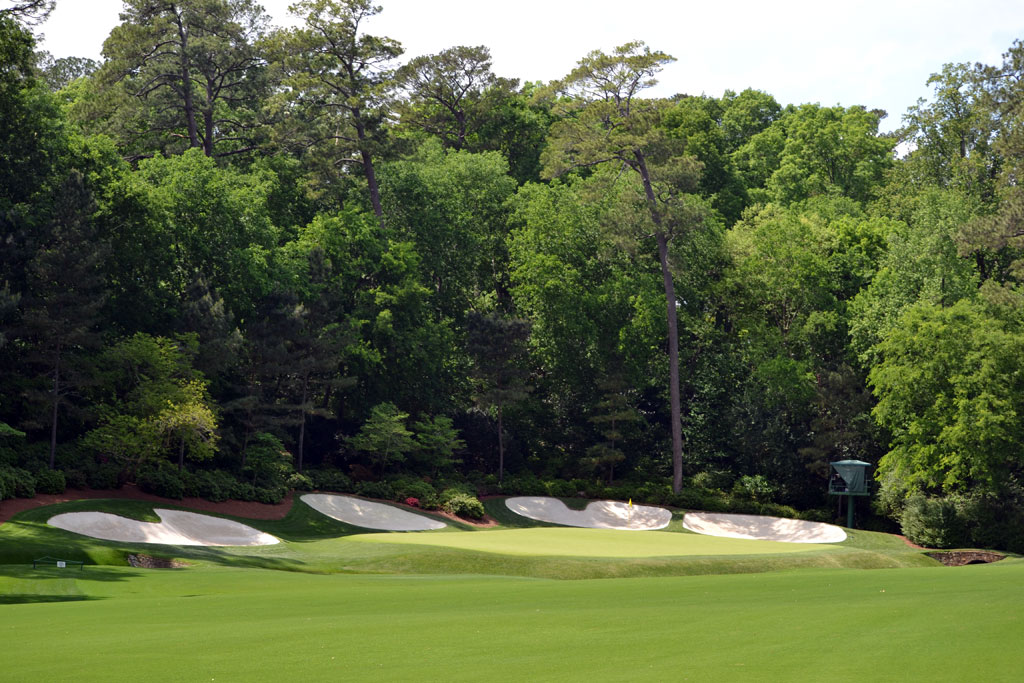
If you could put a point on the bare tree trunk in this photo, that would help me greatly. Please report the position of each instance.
(186, 86)
(302, 423)
(673, 329)
(460, 118)
(673, 365)
(208, 128)
(367, 159)
(56, 407)
(501, 448)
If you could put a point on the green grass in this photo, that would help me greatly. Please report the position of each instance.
(574, 542)
(497, 605)
(230, 624)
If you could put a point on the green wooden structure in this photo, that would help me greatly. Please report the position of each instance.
(848, 479)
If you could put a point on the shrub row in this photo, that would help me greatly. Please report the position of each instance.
(213, 485)
(981, 519)
(16, 482)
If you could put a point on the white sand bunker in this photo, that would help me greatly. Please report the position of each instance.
(176, 527)
(762, 528)
(600, 514)
(367, 514)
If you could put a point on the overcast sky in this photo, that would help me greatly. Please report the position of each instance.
(872, 52)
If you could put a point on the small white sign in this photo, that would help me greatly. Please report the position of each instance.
(61, 564)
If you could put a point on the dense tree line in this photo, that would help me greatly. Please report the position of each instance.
(233, 250)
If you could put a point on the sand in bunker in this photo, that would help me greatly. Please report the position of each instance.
(762, 528)
(367, 514)
(600, 514)
(176, 527)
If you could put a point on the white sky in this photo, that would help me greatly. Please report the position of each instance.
(872, 52)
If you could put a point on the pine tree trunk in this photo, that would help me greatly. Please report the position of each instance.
(368, 170)
(673, 329)
(302, 423)
(186, 86)
(56, 407)
(673, 365)
(501, 448)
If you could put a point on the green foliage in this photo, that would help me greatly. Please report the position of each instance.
(829, 150)
(267, 461)
(921, 264)
(755, 487)
(162, 480)
(949, 391)
(408, 487)
(104, 476)
(437, 442)
(330, 480)
(17, 482)
(8, 431)
(335, 78)
(932, 522)
(462, 504)
(384, 437)
(213, 485)
(183, 75)
(453, 207)
(299, 482)
(50, 481)
(205, 220)
(993, 519)
(376, 489)
(315, 299)
(156, 405)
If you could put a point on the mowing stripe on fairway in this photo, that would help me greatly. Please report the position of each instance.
(591, 543)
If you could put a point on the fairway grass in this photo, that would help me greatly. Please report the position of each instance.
(572, 542)
(498, 605)
(229, 624)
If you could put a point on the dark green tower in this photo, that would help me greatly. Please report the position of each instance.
(848, 479)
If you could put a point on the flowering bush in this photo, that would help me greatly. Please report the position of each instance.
(414, 502)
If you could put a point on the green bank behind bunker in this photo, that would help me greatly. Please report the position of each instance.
(527, 603)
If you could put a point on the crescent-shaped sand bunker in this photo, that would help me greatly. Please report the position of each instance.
(762, 528)
(176, 527)
(367, 514)
(599, 514)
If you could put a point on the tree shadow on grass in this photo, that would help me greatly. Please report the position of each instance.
(30, 598)
(89, 572)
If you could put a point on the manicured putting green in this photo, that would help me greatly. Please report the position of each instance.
(590, 543)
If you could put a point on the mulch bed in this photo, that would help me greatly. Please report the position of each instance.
(235, 508)
(149, 562)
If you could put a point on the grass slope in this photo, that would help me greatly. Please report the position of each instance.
(315, 543)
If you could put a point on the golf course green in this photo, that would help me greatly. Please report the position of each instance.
(530, 603)
(573, 542)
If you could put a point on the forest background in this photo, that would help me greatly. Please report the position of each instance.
(237, 259)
